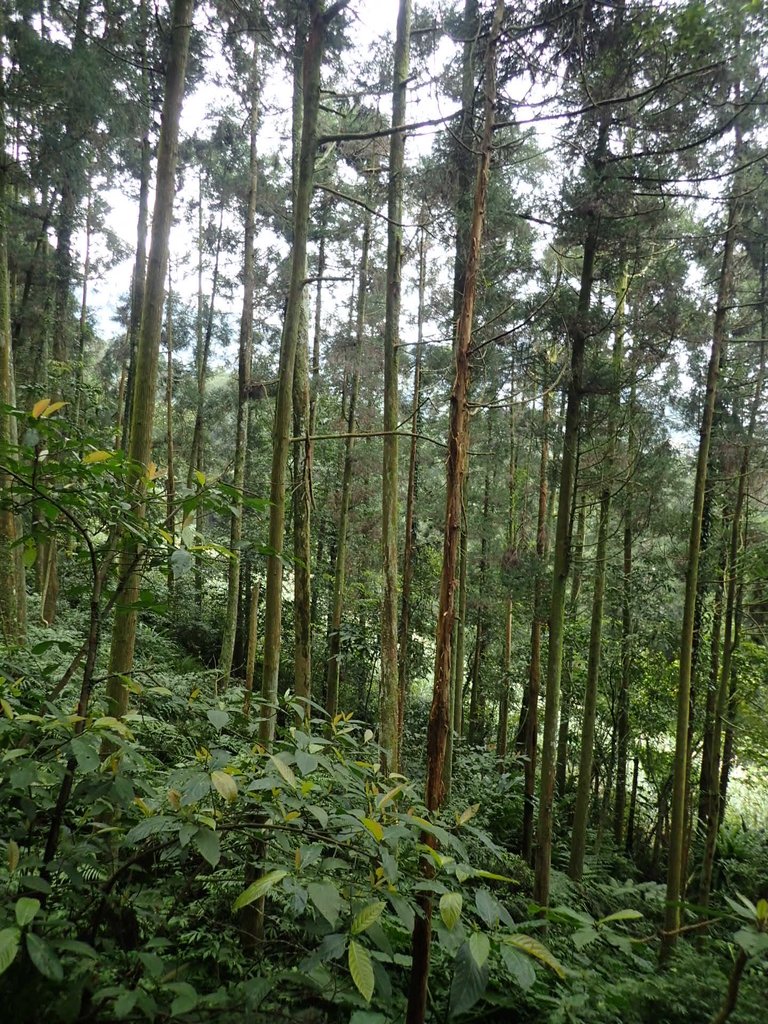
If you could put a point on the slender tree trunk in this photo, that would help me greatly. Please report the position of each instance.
(390, 683)
(565, 712)
(578, 333)
(531, 732)
(311, 63)
(244, 360)
(677, 829)
(439, 724)
(404, 629)
(503, 728)
(140, 264)
(82, 327)
(334, 638)
(11, 623)
(253, 636)
(581, 809)
(170, 522)
(627, 625)
(148, 351)
(734, 569)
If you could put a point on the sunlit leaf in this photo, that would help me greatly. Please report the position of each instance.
(224, 785)
(621, 915)
(51, 409)
(9, 947)
(450, 908)
(374, 828)
(535, 949)
(39, 408)
(25, 910)
(479, 947)
(98, 456)
(361, 969)
(467, 815)
(13, 855)
(367, 916)
(259, 888)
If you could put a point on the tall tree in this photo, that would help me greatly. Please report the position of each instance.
(390, 683)
(281, 434)
(148, 351)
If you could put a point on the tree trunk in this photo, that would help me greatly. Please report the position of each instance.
(311, 63)
(148, 351)
(677, 829)
(11, 623)
(334, 638)
(244, 360)
(581, 809)
(734, 570)
(253, 636)
(578, 333)
(140, 264)
(565, 712)
(531, 730)
(439, 724)
(390, 683)
(503, 727)
(627, 625)
(170, 521)
(404, 629)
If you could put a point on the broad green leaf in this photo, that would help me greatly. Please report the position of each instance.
(374, 828)
(327, 899)
(44, 958)
(6, 708)
(367, 1017)
(186, 997)
(361, 969)
(208, 843)
(753, 942)
(181, 562)
(9, 947)
(26, 908)
(99, 456)
(259, 888)
(762, 910)
(450, 908)
(487, 907)
(115, 725)
(13, 855)
(218, 718)
(468, 983)
(748, 915)
(621, 915)
(367, 916)
(285, 770)
(583, 936)
(125, 1003)
(200, 477)
(224, 785)
(535, 949)
(479, 947)
(519, 966)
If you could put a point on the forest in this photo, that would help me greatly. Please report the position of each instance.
(384, 511)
